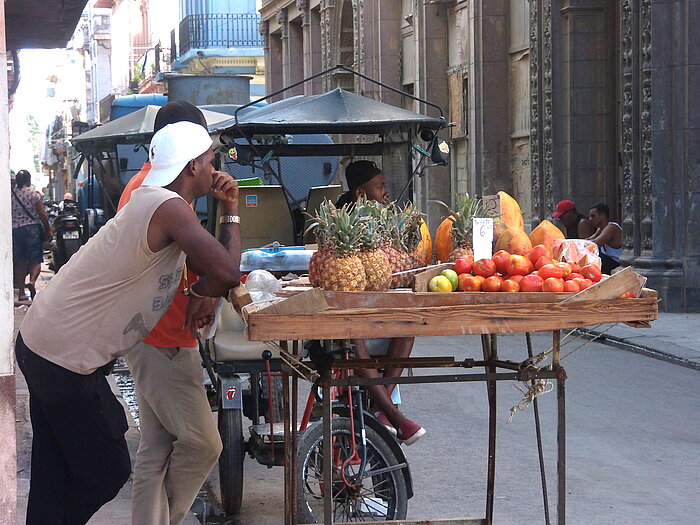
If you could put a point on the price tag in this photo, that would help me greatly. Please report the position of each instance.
(482, 232)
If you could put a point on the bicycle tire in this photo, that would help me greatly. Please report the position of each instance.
(231, 459)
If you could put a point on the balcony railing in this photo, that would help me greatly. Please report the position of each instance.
(219, 30)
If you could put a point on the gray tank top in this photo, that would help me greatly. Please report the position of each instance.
(110, 294)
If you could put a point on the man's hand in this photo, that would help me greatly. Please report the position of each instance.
(225, 188)
(199, 313)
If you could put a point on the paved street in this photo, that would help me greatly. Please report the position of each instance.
(633, 439)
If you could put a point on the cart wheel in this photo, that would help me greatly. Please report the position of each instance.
(278, 398)
(380, 497)
(231, 459)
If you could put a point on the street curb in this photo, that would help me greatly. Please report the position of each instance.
(622, 344)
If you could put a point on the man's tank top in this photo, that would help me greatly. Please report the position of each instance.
(109, 295)
(608, 250)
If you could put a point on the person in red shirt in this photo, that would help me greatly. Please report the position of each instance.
(180, 442)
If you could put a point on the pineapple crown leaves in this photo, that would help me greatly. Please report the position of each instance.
(369, 213)
(346, 231)
(321, 224)
(466, 208)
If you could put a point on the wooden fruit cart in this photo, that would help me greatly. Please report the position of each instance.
(345, 315)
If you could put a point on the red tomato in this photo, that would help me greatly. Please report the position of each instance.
(551, 270)
(516, 278)
(464, 264)
(510, 285)
(553, 284)
(531, 266)
(501, 259)
(470, 283)
(626, 295)
(484, 267)
(542, 261)
(539, 251)
(566, 267)
(575, 268)
(571, 286)
(592, 272)
(531, 283)
(572, 276)
(518, 265)
(492, 284)
(583, 283)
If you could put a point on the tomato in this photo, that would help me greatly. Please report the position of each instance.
(470, 283)
(575, 268)
(531, 283)
(492, 284)
(592, 272)
(583, 283)
(553, 284)
(539, 251)
(501, 258)
(484, 267)
(531, 266)
(572, 276)
(518, 265)
(571, 286)
(626, 295)
(510, 285)
(516, 278)
(551, 270)
(464, 264)
(566, 267)
(542, 261)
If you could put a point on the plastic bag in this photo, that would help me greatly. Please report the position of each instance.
(580, 251)
(262, 286)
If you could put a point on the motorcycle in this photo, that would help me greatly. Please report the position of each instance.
(68, 236)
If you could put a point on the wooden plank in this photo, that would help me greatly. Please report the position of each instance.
(448, 320)
(310, 301)
(609, 288)
(421, 279)
(239, 297)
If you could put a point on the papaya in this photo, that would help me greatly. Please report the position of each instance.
(443, 240)
(511, 215)
(545, 233)
(515, 241)
(425, 247)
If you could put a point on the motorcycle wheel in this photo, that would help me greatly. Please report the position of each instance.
(380, 497)
(231, 459)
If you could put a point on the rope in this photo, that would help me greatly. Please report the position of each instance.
(530, 392)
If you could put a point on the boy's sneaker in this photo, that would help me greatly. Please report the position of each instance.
(409, 432)
(381, 417)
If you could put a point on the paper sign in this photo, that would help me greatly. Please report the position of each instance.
(482, 232)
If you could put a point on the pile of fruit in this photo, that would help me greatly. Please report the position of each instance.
(512, 272)
(362, 246)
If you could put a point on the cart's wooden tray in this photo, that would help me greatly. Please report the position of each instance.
(406, 313)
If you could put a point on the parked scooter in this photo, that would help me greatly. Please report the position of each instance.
(68, 237)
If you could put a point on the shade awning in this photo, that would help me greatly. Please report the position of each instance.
(337, 111)
(41, 23)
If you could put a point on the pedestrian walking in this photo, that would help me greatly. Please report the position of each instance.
(103, 303)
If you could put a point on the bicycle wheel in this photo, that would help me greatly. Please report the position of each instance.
(231, 459)
(381, 493)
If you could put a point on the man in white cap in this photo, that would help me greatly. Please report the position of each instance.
(102, 303)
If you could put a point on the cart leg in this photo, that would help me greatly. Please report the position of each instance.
(561, 430)
(288, 471)
(490, 348)
(294, 433)
(538, 432)
(327, 452)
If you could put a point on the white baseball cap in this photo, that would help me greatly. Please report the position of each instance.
(172, 147)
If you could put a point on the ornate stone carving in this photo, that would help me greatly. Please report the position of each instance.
(645, 123)
(627, 124)
(547, 138)
(535, 167)
(264, 30)
(359, 41)
(282, 21)
(303, 7)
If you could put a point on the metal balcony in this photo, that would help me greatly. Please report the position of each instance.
(219, 30)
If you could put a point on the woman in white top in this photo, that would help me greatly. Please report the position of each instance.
(608, 237)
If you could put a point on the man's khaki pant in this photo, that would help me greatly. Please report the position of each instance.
(179, 442)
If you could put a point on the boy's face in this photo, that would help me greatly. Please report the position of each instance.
(374, 189)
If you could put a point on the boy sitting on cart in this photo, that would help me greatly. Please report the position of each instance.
(365, 178)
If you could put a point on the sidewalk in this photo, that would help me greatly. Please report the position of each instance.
(672, 337)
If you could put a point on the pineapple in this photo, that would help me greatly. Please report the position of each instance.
(466, 209)
(374, 259)
(344, 271)
(399, 259)
(412, 237)
(321, 227)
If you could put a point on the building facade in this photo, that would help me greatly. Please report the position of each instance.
(587, 100)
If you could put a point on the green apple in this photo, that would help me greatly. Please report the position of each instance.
(452, 277)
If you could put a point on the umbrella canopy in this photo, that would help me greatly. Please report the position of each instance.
(337, 111)
(134, 128)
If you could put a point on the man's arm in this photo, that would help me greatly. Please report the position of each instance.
(605, 236)
(585, 229)
(43, 216)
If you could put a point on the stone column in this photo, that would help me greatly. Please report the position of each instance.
(314, 44)
(8, 454)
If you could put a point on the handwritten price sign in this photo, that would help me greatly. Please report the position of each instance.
(482, 232)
